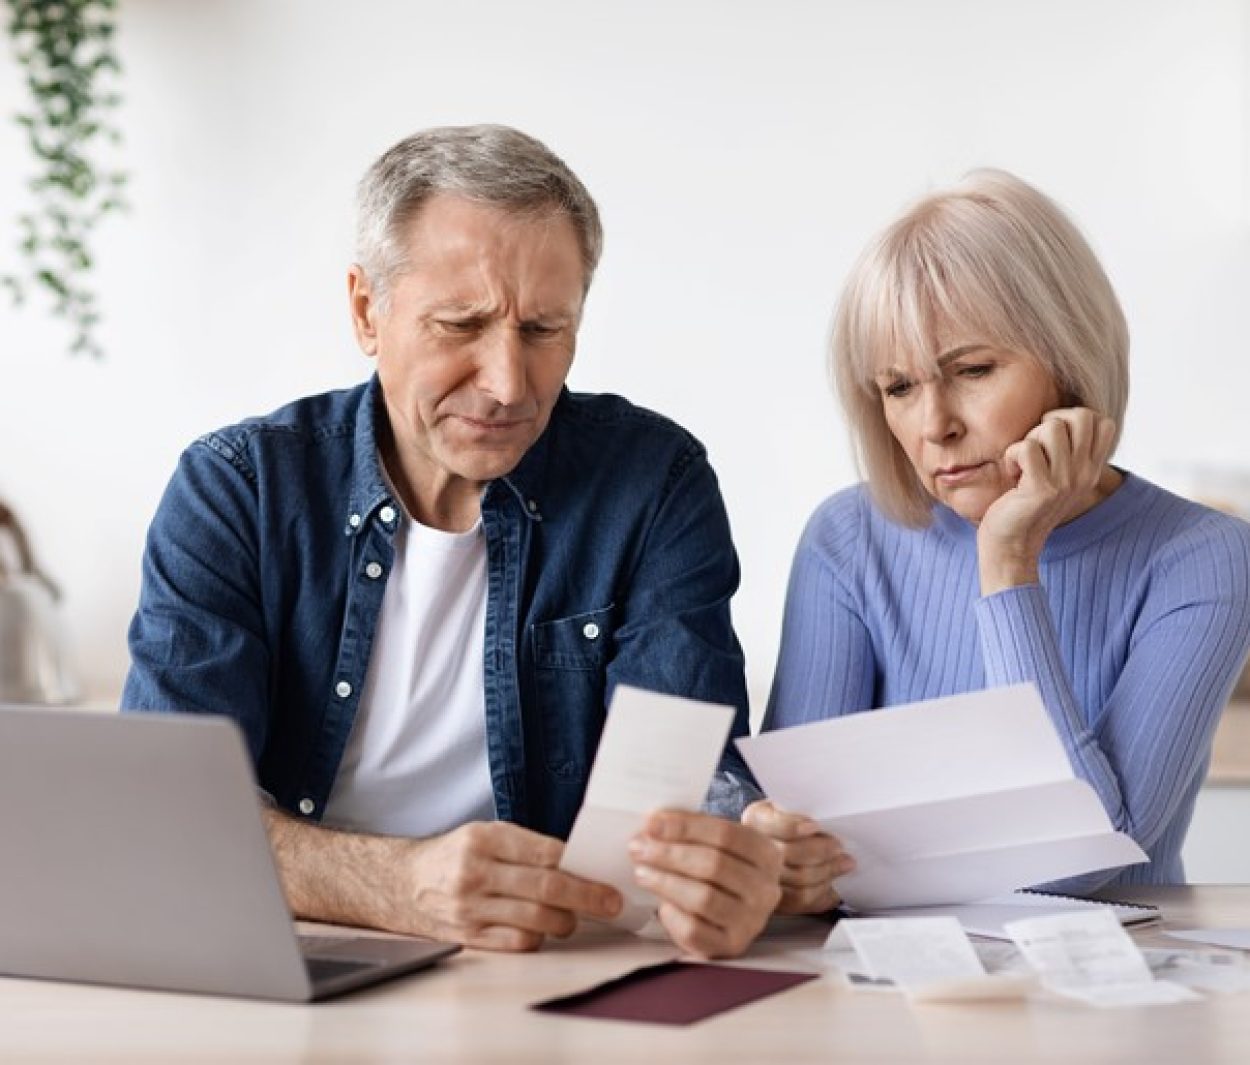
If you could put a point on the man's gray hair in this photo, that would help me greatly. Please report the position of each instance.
(488, 164)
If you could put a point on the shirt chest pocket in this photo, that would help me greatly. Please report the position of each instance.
(577, 642)
(571, 657)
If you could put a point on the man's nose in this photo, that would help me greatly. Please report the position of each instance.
(941, 421)
(501, 365)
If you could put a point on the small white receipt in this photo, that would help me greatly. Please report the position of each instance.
(931, 958)
(656, 752)
(1089, 957)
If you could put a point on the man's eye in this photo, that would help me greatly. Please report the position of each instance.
(539, 330)
(457, 325)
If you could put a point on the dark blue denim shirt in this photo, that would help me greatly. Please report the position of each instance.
(609, 562)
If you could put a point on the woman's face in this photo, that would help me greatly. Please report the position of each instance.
(954, 426)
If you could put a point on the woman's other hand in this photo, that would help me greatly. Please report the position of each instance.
(811, 858)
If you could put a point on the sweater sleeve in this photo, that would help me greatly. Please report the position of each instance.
(826, 666)
(1188, 643)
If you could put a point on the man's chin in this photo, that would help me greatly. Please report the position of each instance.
(487, 464)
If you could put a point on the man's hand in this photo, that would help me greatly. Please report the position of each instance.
(811, 858)
(496, 886)
(492, 885)
(717, 881)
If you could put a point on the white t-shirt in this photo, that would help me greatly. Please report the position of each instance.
(416, 761)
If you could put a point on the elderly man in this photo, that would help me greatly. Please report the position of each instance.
(416, 596)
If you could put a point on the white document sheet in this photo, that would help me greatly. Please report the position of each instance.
(948, 800)
(656, 752)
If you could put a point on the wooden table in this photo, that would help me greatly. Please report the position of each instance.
(472, 1009)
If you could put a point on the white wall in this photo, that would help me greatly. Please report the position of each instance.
(741, 152)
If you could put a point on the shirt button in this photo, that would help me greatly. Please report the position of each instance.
(354, 521)
(373, 571)
(387, 514)
(590, 630)
(342, 689)
(533, 507)
(307, 806)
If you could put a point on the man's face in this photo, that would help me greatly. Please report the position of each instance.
(475, 343)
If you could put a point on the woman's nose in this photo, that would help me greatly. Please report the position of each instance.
(941, 422)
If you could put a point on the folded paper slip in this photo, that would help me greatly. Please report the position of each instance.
(674, 992)
(947, 800)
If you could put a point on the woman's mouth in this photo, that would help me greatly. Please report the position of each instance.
(949, 476)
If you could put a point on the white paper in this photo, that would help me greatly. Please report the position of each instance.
(1090, 958)
(1080, 950)
(1237, 938)
(656, 752)
(930, 958)
(1219, 971)
(949, 800)
(912, 951)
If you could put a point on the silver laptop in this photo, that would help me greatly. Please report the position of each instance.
(132, 852)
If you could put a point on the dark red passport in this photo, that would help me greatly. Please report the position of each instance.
(674, 992)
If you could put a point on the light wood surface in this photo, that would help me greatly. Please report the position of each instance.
(472, 1008)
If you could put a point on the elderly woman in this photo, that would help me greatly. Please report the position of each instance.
(982, 361)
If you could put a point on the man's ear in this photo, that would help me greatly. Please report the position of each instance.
(364, 309)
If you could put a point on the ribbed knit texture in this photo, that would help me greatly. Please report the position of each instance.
(1134, 637)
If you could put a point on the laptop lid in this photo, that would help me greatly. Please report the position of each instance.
(134, 853)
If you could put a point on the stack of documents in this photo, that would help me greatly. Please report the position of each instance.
(946, 801)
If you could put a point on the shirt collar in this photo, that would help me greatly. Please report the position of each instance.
(370, 491)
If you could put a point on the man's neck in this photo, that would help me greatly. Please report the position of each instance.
(444, 502)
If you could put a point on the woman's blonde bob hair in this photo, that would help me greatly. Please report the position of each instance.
(995, 261)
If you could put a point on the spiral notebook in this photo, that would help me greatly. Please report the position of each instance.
(987, 917)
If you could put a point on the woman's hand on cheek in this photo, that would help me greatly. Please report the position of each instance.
(1057, 469)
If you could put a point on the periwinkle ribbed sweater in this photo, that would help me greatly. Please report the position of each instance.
(1134, 637)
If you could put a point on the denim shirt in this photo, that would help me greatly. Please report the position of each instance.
(609, 561)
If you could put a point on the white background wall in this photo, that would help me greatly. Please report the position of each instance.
(741, 153)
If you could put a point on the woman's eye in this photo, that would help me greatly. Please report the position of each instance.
(980, 369)
(897, 389)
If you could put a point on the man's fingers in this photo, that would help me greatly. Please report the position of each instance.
(672, 826)
(705, 866)
(700, 898)
(555, 888)
(520, 914)
(507, 842)
(503, 938)
(694, 935)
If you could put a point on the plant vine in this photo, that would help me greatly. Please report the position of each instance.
(65, 49)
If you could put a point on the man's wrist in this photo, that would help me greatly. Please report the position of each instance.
(343, 877)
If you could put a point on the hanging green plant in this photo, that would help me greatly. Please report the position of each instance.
(65, 49)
